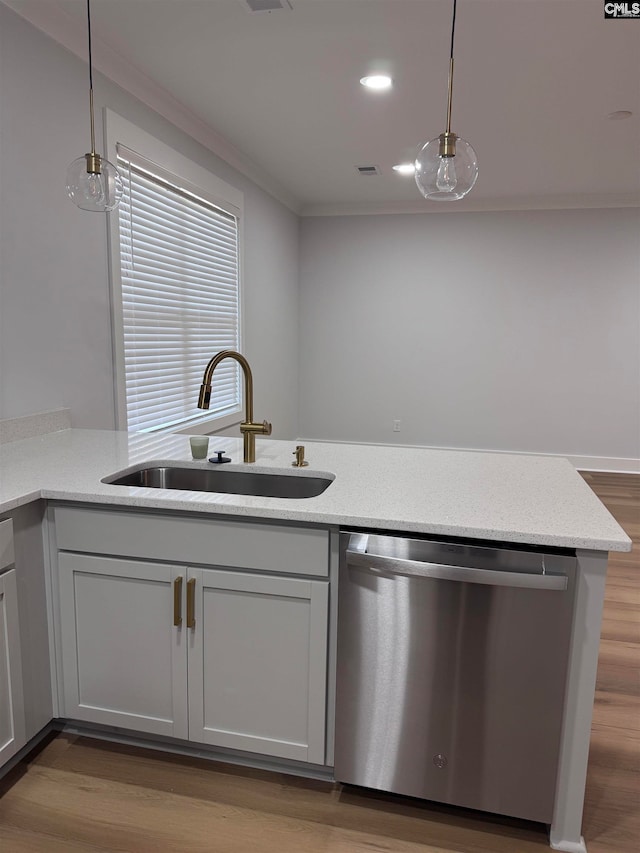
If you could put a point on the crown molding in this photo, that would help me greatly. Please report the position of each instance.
(51, 19)
(475, 205)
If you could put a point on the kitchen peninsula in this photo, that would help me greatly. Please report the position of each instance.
(507, 497)
(497, 498)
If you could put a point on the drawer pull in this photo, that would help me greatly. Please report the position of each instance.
(191, 603)
(177, 602)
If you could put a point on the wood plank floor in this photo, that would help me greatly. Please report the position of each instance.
(79, 795)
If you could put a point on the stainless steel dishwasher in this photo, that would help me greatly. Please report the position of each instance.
(452, 661)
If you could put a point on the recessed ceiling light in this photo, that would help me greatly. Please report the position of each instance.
(377, 81)
(618, 115)
(405, 168)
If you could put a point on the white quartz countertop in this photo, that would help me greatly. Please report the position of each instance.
(538, 500)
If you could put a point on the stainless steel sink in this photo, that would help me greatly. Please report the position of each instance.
(256, 483)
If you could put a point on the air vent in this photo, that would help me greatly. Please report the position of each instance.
(266, 5)
(369, 170)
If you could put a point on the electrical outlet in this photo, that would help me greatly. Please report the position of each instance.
(396, 426)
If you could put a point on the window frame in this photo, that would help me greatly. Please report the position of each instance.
(197, 179)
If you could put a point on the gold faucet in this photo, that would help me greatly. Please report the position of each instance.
(248, 428)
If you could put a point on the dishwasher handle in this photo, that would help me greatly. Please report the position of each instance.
(357, 557)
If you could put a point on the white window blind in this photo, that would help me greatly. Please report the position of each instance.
(180, 297)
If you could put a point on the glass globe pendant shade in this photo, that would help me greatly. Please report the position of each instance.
(446, 169)
(94, 183)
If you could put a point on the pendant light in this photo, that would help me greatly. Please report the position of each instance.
(93, 183)
(446, 168)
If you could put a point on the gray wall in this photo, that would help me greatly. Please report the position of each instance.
(509, 331)
(55, 335)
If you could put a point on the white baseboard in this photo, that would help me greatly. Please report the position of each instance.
(613, 464)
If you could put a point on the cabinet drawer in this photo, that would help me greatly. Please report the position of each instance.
(236, 544)
(6, 544)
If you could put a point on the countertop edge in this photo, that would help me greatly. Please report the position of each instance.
(331, 520)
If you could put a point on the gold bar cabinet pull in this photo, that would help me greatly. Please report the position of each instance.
(177, 602)
(191, 603)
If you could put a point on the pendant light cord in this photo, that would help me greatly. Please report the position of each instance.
(453, 27)
(450, 94)
(93, 131)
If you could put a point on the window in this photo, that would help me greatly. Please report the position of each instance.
(176, 296)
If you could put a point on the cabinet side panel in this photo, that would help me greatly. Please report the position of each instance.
(28, 524)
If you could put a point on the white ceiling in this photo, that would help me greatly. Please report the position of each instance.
(534, 83)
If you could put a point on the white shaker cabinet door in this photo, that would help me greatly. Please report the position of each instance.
(12, 734)
(124, 660)
(257, 664)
